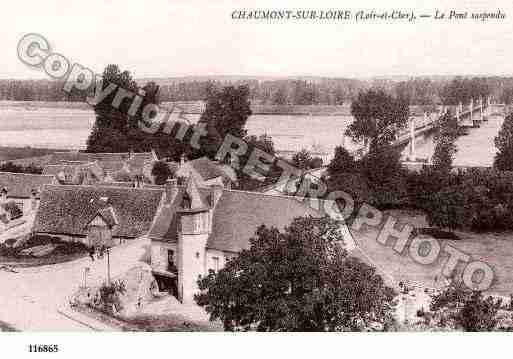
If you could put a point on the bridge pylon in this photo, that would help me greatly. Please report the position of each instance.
(412, 138)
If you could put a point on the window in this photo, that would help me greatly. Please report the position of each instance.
(215, 260)
(171, 267)
(20, 206)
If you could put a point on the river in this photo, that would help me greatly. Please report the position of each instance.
(69, 128)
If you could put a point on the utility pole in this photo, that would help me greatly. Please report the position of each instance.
(108, 266)
(86, 271)
(412, 138)
(481, 108)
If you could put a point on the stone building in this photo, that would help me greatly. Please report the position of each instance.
(90, 214)
(198, 229)
(23, 189)
(205, 172)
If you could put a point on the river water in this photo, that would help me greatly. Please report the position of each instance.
(69, 128)
(477, 148)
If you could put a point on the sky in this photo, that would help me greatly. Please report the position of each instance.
(194, 37)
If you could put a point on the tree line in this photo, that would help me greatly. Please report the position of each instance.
(424, 91)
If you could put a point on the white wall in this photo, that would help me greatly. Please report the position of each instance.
(159, 254)
(191, 264)
(211, 262)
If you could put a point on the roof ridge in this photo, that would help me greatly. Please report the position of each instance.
(26, 174)
(71, 186)
(96, 153)
(273, 195)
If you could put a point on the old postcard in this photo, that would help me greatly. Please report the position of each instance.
(253, 166)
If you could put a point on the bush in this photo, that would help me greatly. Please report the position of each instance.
(161, 172)
(13, 210)
(464, 309)
(62, 247)
(109, 294)
(11, 167)
(342, 162)
(447, 209)
(480, 200)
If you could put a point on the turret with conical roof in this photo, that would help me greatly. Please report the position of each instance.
(194, 229)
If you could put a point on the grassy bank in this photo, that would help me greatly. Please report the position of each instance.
(495, 249)
(34, 105)
(148, 323)
(18, 153)
(193, 107)
(55, 251)
(4, 327)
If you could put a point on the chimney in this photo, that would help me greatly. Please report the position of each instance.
(3, 195)
(171, 189)
(33, 199)
(217, 192)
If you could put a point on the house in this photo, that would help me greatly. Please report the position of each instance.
(89, 213)
(112, 164)
(205, 172)
(198, 229)
(293, 184)
(23, 189)
(58, 157)
(75, 172)
(9, 211)
(192, 229)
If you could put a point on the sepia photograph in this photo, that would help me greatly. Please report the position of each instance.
(254, 166)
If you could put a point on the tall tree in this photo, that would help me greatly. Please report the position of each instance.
(161, 172)
(227, 111)
(250, 183)
(111, 121)
(342, 162)
(504, 143)
(378, 117)
(302, 159)
(445, 146)
(107, 116)
(300, 279)
(280, 96)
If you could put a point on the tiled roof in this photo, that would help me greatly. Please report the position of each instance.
(21, 185)
(39, 161)
(72, 169)
(109, 216)
(68, 209)
(290, 184)
(238, 214)
(57, 157)
(150, 185)
(109, 162)
(111, 166)
(165, 226)
(207, 169)
(236, 217)
(55, 170)
(118, 184)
